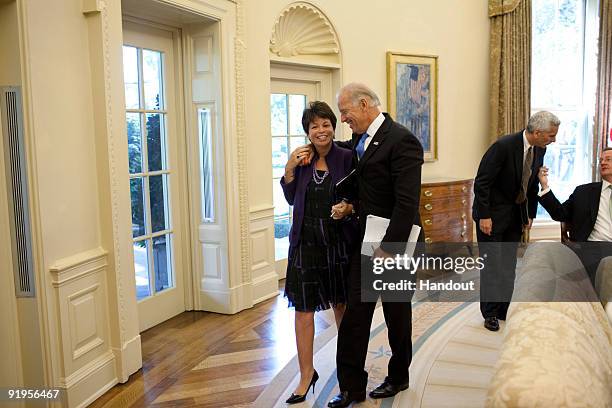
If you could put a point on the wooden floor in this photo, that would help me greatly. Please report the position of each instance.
(201, 359)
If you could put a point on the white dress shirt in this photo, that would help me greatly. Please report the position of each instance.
(372, 129)
(526, 146)
(602, 230)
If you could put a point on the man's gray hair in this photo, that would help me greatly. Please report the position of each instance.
(357, 91)
(543, 121)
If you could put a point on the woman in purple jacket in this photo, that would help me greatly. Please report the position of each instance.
(320, 242)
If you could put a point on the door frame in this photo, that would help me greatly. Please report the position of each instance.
(178, 198)
(322, 79)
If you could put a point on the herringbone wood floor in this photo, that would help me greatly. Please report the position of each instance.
(200, 359)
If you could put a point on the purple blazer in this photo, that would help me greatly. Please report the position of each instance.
(339, 162)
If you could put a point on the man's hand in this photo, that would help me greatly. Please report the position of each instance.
(486, 225)
(543, 177)
(341, 210)
(529, 224)
(379, 253)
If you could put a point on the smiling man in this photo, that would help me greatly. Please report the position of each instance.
(505, 204)
(388, 160)
(587, 212)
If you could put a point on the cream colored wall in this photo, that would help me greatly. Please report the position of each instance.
(10, 369)
(455, 30)
(61, 95)
(9, 45)
(65, 103)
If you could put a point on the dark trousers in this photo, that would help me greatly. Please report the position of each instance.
(497, 276)
(591, 253)
(354, 335)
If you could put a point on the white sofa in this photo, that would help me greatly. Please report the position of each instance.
(555, 354)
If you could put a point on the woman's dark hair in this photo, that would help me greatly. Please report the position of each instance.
(317, 109)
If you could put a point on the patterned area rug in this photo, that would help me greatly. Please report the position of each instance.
(430, 319)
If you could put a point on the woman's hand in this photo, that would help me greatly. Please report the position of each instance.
(299, 157)
(341, 210)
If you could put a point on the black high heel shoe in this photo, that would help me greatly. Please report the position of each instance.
(294, 399)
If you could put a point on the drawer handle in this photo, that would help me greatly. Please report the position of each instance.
(464, 201)
(428, 222)
(462, 234)
(464, 189)
(428, 240)
(428, 193)
(428, 207)
(463, 216)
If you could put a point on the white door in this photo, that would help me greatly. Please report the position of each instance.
(152, 117)
(288, 99)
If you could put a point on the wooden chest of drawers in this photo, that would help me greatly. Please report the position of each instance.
(446, 210)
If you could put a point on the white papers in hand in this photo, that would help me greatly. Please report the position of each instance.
(376, 228)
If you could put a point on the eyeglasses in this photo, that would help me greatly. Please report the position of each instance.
(605, 160)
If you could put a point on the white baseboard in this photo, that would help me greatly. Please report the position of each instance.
(265, 287)
(128, 358)
(545, 230)
(227, 302)
(89, 382)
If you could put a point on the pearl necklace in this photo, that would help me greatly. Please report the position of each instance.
(315, 176)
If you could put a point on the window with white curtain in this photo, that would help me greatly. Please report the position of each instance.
(563, 81)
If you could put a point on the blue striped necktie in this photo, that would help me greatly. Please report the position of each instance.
(360, 149)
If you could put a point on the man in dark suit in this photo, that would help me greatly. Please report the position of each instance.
(505, 204)
(587, 212)
(388, 166)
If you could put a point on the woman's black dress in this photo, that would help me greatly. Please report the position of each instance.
(317, 269)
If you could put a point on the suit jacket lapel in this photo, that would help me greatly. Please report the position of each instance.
(537, 154)
(376, 141)
(518, 158)
(596, 195)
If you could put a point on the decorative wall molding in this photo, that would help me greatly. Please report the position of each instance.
(262, 256)
(263, 273)
(82, 387)
(302, 29)
(262, 212)
(243, 195)
(81, 307)
(112, 161)
(93, 6)
(69, 269)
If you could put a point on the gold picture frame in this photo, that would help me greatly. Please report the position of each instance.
(412, 97)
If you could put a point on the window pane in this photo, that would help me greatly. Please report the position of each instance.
(569, 158)
(278, 109)
(281, 238)
(152, 77)
(141, 267)
(297, 142)
(156, 142)
(163, 264)
(134, 142)
(138, 216)
(279, 156)
(130, 77)
(557, 52)
(297, 103)
(206, 164)
(158, 188)
(281, 207)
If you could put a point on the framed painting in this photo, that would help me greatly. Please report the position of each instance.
(412, 95)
